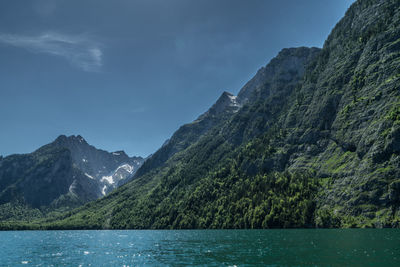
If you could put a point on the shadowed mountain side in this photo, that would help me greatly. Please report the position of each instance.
(63, 174)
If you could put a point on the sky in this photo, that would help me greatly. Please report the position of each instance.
(126, 74)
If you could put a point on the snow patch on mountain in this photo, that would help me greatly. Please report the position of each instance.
(87, 175)
(122, 172)
(103, 191)
(108, 179)
(126, 167)
(234, 102)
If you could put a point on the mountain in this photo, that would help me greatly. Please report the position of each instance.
(65, 173)
(313, 140)
(109, 169)
(199, 147)
(188, 134)
(289, 64)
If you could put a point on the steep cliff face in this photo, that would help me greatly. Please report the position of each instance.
(344, 122)
(44, 178)
(266, 96)
(268, 81)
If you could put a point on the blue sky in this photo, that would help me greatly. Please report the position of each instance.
(125, 74)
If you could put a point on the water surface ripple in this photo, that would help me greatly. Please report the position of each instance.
(297, 247)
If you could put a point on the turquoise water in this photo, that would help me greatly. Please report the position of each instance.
(347, 247)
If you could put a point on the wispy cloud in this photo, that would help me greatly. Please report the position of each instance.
(79, 50)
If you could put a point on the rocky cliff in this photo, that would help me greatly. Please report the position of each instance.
(63, 174)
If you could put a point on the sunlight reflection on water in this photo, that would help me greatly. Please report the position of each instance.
(336, 247)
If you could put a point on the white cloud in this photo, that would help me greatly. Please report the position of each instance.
(79, 50)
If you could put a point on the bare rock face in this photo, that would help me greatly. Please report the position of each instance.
(109, 169)
(288, 66)
(66, 172)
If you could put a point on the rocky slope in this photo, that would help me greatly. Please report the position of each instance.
(108, 169)
(65, 173)
(190, 133)
(344, 124)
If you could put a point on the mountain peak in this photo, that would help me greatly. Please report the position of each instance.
(226, 99)
(297, 51)
(77, 138)
(61, 137)
(70, 139)
(227, 102)
(120, 153)
(226, 93)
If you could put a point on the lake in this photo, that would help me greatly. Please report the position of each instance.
(297, 247)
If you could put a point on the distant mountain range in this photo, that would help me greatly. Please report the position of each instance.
(66, 172)
(312, 140)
